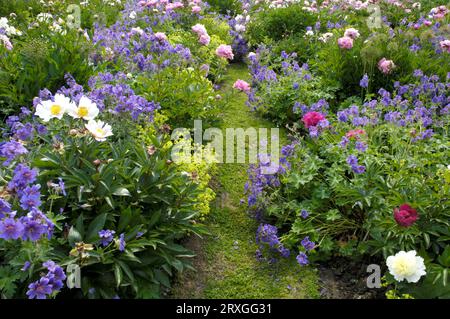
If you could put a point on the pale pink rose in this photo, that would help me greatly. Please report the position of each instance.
(241, 85)
(386, 66)
(351, 33)
(196, 9)
(199, 29)
(345, 43)
(160, 36)
(445, 45)
(225, 51)
(204, 39)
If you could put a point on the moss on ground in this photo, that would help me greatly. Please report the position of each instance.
(226, 265)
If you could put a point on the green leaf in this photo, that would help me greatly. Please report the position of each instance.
(74, 236)
(121, 191)
(118, 274)
(126, 269)
(96, 225)
(162, 277)
(444, 258)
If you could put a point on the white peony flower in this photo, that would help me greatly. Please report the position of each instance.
(47, 110)
(86, 110)
(100, 130)
(9, 30)
(406, 265)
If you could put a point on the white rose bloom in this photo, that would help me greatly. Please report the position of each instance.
(99, 129)
(86, 110)
(406, 265)
(47, 110)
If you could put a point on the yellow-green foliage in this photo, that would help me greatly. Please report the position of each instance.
(199, 164)
(392, 294)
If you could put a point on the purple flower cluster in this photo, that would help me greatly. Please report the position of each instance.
(110, 92)
(352, 161)
(11, 150)
(106, 237)
(268, 241)
(262, 176)
(49, 284)
(34, 224)
(30, 227)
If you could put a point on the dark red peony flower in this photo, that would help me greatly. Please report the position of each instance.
(312, 118)
(405, 215)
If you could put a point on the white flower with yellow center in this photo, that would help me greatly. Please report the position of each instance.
(406, 265)
(100, 130)
(49, 109)
(86, 110)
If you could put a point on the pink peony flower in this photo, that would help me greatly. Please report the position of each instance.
(351, 33)
(225, 51)
(311, 119)
(445, 45)
(241, 85)
(405, 215)
(386, 66)
(160, 36)
(196, 9)
(199, 29)
(204, 39)
(345, 43)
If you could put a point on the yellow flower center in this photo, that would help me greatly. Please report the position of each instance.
(100, 132)
(403, 267)
(83, 111)
(55, 109)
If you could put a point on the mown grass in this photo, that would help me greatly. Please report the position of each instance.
(229, 268)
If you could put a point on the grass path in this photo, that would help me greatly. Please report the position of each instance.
(226, 266)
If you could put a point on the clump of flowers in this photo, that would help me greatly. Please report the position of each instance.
(268, 241)
(352, 33)
(48, 285)
(314, 122)
(386, 66)
(345, 43)
(445, 45)
(202, 34)
(405, 215)
(242, 85)
(225, 51)
(406, 266)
